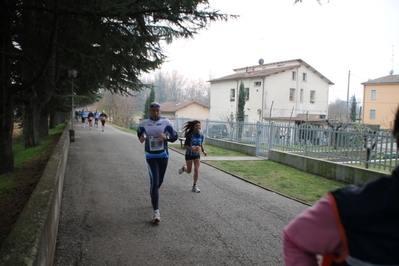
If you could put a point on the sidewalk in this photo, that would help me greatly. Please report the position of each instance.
(231, 158)
(224, 158)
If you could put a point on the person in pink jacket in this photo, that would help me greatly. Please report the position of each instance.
(356, 225)
(313, 232)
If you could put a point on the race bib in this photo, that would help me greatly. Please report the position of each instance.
(197, 150)
(156, 144)
(90, 118)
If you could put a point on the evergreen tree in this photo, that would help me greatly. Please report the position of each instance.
(112, 46)
(241, 103)
(150, 99)
(353, 109)
(240, 111)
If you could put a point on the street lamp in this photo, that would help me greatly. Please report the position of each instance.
(72, 74)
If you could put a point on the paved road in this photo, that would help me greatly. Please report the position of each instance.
(106, 211)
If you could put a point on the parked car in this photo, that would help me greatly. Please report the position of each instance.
(217, 131)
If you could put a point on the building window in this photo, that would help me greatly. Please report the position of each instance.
(257, 84)
(373, 94)
(304, 77)
(373, 113)
(292, 95)
(232, 95)
(293, 75)
(301, 96)
(312, 96)
(247, 94)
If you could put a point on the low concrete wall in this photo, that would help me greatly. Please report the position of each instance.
(335, 171)
(340, 172)
(32, 240)
(229, 145)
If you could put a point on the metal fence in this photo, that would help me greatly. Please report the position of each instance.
(370, 149)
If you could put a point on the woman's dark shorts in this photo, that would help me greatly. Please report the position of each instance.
(189, 157)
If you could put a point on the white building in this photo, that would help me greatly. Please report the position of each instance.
(280, 91)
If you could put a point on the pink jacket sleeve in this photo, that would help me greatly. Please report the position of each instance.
(313, 232)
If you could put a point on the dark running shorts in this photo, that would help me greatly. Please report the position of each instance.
(189, 157)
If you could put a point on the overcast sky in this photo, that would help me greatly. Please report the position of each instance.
(361, 36)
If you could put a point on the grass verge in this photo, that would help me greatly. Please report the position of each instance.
(286, 180)
(17, 186)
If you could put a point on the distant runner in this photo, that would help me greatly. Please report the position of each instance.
(103, 117)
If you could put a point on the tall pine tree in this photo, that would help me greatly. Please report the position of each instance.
(240, 110)
(353, 109)
(150, 99)
(111, 48)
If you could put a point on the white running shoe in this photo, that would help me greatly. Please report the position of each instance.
(181, 170)
(157, 216)
(195, 189)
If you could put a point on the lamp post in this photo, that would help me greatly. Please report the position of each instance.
(72, 74)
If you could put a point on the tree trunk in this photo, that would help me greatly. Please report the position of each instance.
(6, 95)
(61, 117)
(52, 120)
(31, 118)
(7, 126)
(43, 124)
(368, 153)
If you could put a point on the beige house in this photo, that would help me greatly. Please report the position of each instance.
(280, 91)
(380, 101)
(191, 109)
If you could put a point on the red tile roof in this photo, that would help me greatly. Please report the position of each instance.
(256, 73)
(391, 79)
(175, 106)
(270, 71)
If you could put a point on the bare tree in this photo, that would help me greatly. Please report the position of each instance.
(336, 126)
(175, 84)
(119, 108)
(168, 87)
(368, 138)
(387, 121)
(230, 119)
(199, 91)
(337, 111)
(171, 87)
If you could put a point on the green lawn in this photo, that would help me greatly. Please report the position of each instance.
(29, 159)
(280, 178)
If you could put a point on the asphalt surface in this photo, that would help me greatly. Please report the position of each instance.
(106, 211)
